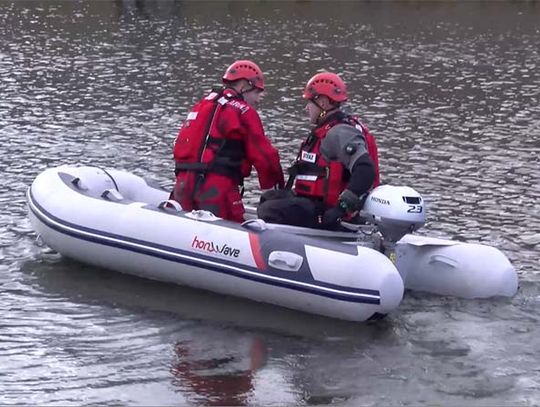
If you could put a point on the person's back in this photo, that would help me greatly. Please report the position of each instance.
(219, 142)
(336, 166)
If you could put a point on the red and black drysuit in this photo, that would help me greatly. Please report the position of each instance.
(218, 143)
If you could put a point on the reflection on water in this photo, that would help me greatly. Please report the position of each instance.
(216, 377)
(451, 91)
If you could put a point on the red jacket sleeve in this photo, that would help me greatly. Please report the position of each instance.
(260, 153)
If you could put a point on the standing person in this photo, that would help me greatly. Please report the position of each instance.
(336, 166)
(219, 142)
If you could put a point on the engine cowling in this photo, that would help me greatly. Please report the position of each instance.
(395, 210)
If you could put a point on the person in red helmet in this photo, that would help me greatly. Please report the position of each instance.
(335, 168)
(220, 141)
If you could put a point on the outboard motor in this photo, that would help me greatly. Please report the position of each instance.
(396, 211)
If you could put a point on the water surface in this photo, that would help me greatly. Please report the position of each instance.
(450, 90)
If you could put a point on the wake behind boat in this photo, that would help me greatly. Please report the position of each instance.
(114, 219)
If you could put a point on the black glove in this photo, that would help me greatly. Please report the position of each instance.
(332, 217)
(349, 201)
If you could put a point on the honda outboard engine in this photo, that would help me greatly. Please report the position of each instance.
(396, 211)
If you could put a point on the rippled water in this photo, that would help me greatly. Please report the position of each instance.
(450, 89)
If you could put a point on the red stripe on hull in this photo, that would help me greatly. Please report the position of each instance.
(256, 251)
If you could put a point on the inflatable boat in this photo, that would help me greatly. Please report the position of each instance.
(116, 220)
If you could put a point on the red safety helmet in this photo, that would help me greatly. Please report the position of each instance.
(247, 70)
(327, 84)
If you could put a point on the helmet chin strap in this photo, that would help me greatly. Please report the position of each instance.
(248, 90)
(240, 91)
(323, 113)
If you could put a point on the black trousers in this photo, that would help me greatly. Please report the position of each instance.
(283, 207)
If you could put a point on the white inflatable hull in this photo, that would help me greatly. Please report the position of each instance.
(436, 266)
(457, 269)
(113, 219)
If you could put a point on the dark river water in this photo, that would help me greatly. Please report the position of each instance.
(451, 90)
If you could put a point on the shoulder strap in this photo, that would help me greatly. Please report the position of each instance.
(217, 96)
